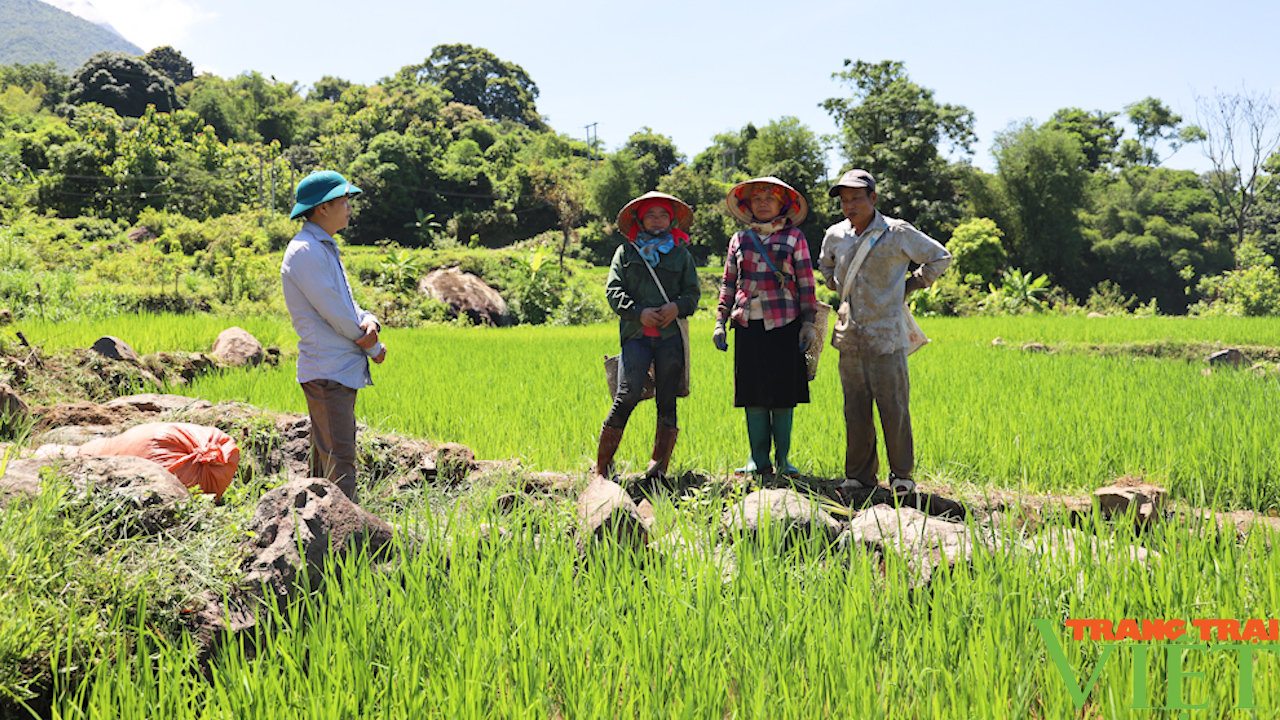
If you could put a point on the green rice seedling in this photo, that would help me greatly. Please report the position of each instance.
(536, 630)
(983, 415)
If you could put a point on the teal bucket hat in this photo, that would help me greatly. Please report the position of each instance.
(320, 187)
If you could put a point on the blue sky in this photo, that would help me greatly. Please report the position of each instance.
(690, 70)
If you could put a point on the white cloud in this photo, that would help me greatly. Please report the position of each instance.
(152, 23)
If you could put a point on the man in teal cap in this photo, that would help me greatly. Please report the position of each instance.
(336, 337)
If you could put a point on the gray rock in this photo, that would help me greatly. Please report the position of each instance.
(114, 348)
(1035, 347)
(157, 402)
(141, 481)
(1070, 543)
(235, 346)
(691, 552)
(297, 526)
(466, 293)
(76, 434)
(21, 479)
(1145, 500)
(1229, 357)
(605, 509)
(454, 462)
(786, 510)
(926, 543)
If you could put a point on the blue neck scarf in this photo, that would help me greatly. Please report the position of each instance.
(651, 247)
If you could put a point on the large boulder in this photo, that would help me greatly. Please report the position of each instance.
(236, 346)
(297, 526)
(110, 346)
(141, 481)
(140, 496)
(789, 512)
(1230, 357)
(605, 509)
(1144, 500)
(925, 543)
(466, 293)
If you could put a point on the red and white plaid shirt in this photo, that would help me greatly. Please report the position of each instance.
(747, 275)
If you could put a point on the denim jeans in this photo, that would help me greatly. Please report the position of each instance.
(667, 358)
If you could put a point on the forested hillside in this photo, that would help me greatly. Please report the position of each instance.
(1080, 212)
(35, 32)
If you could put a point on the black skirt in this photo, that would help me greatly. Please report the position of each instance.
(768, 366)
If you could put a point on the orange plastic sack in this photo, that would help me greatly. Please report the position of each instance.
(200, 456)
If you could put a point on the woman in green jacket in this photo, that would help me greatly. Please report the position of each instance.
(652, 283)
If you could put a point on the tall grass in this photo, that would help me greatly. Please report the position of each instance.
(983, 415)
(527, 631)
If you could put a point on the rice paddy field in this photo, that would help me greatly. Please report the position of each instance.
(529, 630)
(983, 415)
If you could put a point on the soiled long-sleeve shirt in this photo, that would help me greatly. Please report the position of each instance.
(324, 312)
(871, 319)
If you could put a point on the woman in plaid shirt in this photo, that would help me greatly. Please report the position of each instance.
(768, 294)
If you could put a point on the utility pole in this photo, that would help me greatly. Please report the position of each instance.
(592, 138)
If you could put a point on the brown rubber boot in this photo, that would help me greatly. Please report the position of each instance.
(664, 441)
(610, 437)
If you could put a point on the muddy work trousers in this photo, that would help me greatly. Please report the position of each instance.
(332, 407)
(883, 380)
(638, 354)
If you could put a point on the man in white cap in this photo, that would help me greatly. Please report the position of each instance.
(336, 337)
(866, 259)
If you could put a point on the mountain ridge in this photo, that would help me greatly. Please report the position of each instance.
(34, 32)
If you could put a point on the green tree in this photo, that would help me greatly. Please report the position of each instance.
(172, 63)
(1096, 132)
(475, 76)
(712, 226)
(893, 128)
(1155, 123)
(727, 155)
(53, 83)
(328, 89)
(612, 185)
(655, 155)
(1043, 178)
(1149, 226)
(1251, 289)
(398, 175)
(230, 113)
(561, 187)
(123, 83)
(977, 250)
(788, 143)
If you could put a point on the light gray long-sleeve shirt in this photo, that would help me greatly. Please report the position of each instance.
(870, 321)
(324, 312)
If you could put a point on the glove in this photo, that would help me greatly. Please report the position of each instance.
(809, 336)
(720, 337)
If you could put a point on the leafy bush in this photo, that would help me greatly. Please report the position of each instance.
(581, 305)
(1252, 289)
(1018, 293)
(976, 246)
